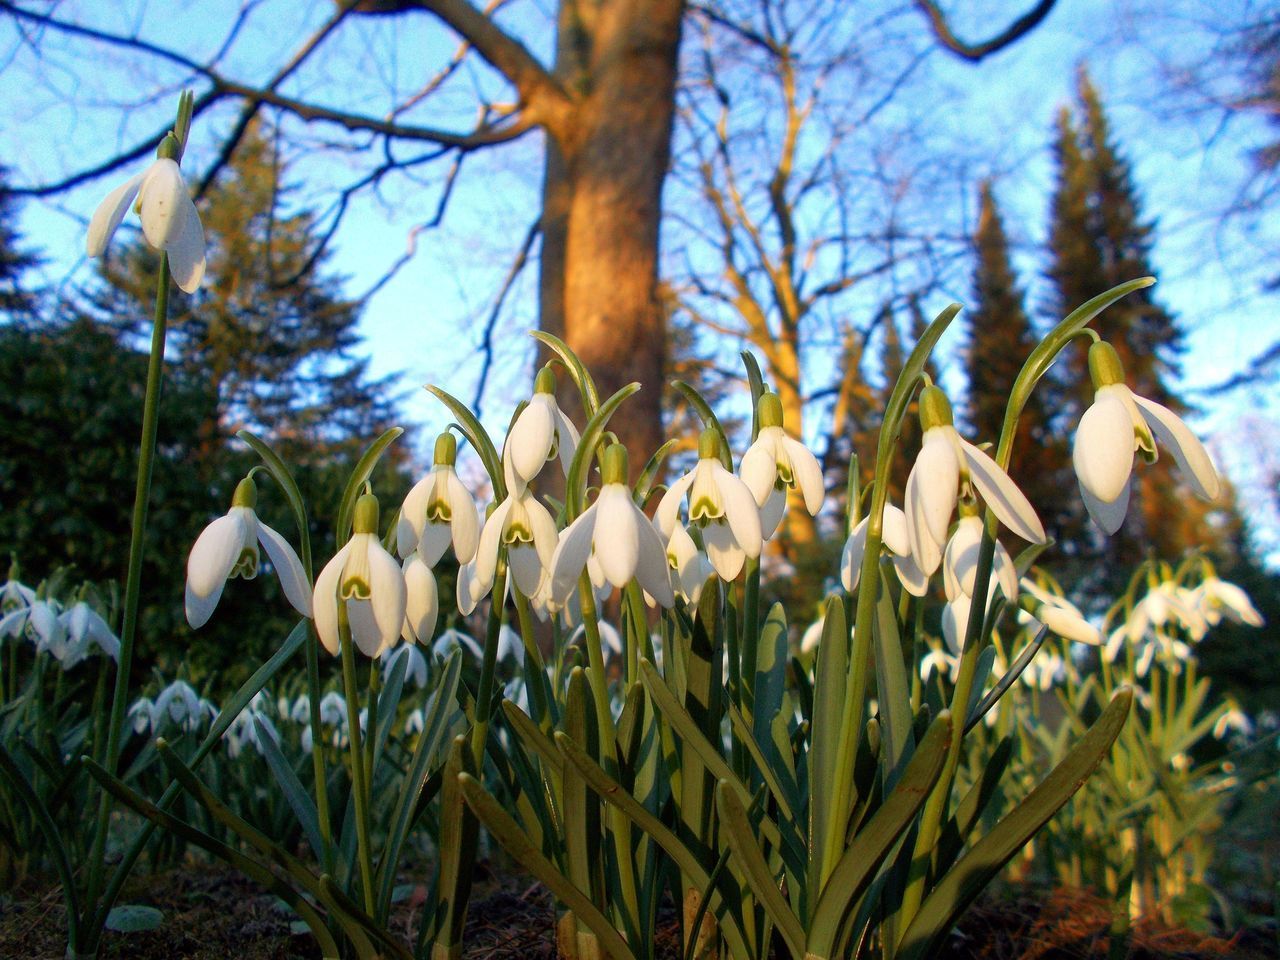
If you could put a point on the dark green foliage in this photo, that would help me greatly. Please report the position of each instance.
(14, 259)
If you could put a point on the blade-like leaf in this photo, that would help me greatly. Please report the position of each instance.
(1015, 670)
(580, 467)
(709, 419)
(295, 794)
(577, 371)
(364, 468)
(478, 437)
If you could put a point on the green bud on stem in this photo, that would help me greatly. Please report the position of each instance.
(366, 515)
(935, 408)
(770, 409)
(545, 381)
(446, 449)
(246, 494)
(169, 149)
(709, 444)
(1105, 367)
(615, 467)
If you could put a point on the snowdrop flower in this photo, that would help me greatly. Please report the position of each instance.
(1043, 671)
(333, 709)
(527, 530)
(895, 539)
(1164, 605)
(169, 218)
(416, 668)
(721, 504)
(1060, 615)
(369, 581)
(243, 732)
(618, 534)
(422, 601)
(14, 596)
(85, 628)
(938, 661)
(1217, 597)
(415, 722)
(688, 566)
(1118, 423)
(451, 638)
(300, 712)
(39, 623)
(228, 548)
(439, 509)
(947, 469)
(179, 704)
(510, 645)
(1233, 718)
(141, 715)
(609, 636)
(960, 562)
(776, 463)
(540, 433)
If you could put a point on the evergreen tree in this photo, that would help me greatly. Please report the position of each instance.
(1099, 239)
(14, 260)
(998, 339)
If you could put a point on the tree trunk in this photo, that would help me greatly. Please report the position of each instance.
(798, 528)
(602, 203)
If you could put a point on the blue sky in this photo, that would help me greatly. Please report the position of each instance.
(423, 325)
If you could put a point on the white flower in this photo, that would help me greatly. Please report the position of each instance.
(1044, 670)
(895, 539)
(14, 597)
(415, 722)
(438, 509)
(689, 566)
(369, 581)
(776, 463)
(721, 504)
(960, 562)
(1233, 718)
(228, 548)
(527, 530)
(540, 433)
(422, 601)
(510, 645)
(1218, 597)
(451, 638)
(300, 712)
(415, 668)
(1118, 423)
(1061, 616)
(620, 537)
(85, 628)
(169, 220)
(938, 661)
(39, 622)
(333, 709)
(141, 715)
(812, 636)
(179, 704)
(609, 637)
(949, 467)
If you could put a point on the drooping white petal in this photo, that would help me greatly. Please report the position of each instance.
(530, 439)
(1234, 600)
(465, 520)
(960, 562)
(486, 559)
(293, 579)
(435, 541)
(1002, 495)
(1190, 454)
(412, 518)
(893, 531)
(422, 600)
(212, 558)
(617, 535)
(807, 473)
(932, 489)
(652, 572)
(186, 249)
(163, 211)
(572, 552)
(1066, 621)
(955, 620)
(775, 505)
(110, 213)
(376, 622)
(851, 556)
(1103, 448)
(545, 535)
(723, 550)
(914, 580)
(566, 437)
(664, 517)
(324, 602)
(739, 509)
(1106, 515)
(759, 467)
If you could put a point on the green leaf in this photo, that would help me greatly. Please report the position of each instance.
(709, 419)
(1015, 670)
(517, 844)
(649, 475)
(894, 696)
(577, 371)
(134, 918)
(755, 380)
(478, 437)
(280, 472)
(830, 674)
(364, 467)
(295, 794)
(963, 882)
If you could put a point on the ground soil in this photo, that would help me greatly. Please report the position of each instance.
(212, 913)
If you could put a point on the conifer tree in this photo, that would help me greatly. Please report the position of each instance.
(998, 338)
(1098, 239)
(15, 301)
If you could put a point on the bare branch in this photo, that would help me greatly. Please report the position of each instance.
(978, 51)
(486, 341)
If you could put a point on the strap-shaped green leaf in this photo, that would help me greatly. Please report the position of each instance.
(708, 417)
(826, 815)
(740, 835)
(863, 859)
(508, 833)
(755, 381)
(295, 794)
(963, 882)
(280, 472)
(893, 695)
(577, 370)
(971, 808)
(457, 845)
(1015, 670)
(364, 468)
(649, 475)
(530, 736)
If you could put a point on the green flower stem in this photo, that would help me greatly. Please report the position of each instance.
(360, 785)
(133, 580)
(750, 636)
(488, 667)
(534, 665)
(375, 686)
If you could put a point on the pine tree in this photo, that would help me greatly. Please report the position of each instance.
(998, 339)
(1099, 239)
(14, 259)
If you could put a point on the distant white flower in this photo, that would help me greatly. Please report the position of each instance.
(811, 639)
(1165, 605)
(939, 661)
(721, 504)
(540, 433)
(300, 711)
(620, 537)
(39, 622)
(86, 629)
(141, 715)
(510, 645)
(439, 509)
(415, 670)
(895, 539)
(415, 722)
(1218, 597)
(947, 468)
(180, 705)
(609, 637)
(369, 581)
(169, 220)
(333, 709)
(776, 463)
(451, 639)
(1044, 670)
(422, 601)
(1233, 718)
(228, 548)
(243, 732)
(1061, 616)
(14, 597)
(1118, 423)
